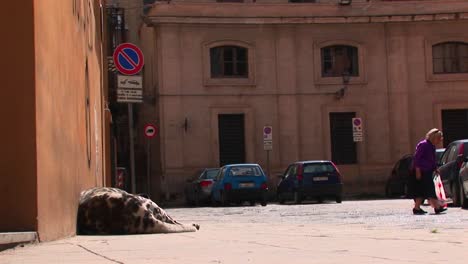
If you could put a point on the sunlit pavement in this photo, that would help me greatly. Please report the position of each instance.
(382, 231)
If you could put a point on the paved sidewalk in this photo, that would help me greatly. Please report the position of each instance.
(255, 243)
(256, 235)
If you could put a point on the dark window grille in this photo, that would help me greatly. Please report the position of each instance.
(450, 57)
(229, 62)
(339, 59)
(342, 144)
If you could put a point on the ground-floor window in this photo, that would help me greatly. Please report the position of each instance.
(343, 147)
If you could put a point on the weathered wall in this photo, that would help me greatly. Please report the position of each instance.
(395, 93)
(18, 208)
(69, 110)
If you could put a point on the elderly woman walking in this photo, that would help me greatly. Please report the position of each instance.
(424, 166)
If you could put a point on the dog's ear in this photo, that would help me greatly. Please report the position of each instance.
(144, 195)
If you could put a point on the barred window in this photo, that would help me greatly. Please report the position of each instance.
(229, 62)
(339, 59)
(450, 57)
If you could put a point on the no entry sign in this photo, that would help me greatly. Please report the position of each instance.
(151, 131)
(128, 59)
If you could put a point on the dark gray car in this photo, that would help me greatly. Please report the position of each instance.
(198, 189)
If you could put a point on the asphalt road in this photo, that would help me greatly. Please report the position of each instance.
(383, 231)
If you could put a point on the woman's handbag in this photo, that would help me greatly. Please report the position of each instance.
(439, 189)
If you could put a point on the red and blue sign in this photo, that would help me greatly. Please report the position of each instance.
(128, 59)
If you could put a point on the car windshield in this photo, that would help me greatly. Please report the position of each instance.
(211, 174)
(318, 168)
(245, 171)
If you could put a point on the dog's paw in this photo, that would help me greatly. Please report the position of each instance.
(196, 226)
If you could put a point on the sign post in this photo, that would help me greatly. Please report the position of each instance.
(150, 132)
(129, 60)
(357, 129)
(268, 144)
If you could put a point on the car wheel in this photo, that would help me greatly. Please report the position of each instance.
(281, 199)
(224, 199)
(297, 197)
(338, 199)
(196, 201)
(463, 199)
(455, 190)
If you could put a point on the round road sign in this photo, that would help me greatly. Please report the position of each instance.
(128, 59)
(150, 131)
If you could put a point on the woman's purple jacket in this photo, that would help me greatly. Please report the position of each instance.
(425, 157)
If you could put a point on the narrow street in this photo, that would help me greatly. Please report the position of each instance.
(382, 231)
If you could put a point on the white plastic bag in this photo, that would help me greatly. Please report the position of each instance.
(439, 189)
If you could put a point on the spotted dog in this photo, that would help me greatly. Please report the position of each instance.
(106, 211)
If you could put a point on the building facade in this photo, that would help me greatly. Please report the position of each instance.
(221, 71)
(54, 123)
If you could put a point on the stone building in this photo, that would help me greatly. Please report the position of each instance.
(220, 71)
(54, 123)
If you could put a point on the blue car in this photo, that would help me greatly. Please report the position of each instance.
(238, 183)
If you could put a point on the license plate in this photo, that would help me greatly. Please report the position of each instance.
(321, 179)
(246, 184)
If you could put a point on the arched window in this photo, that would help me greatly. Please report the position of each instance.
(339, 59)
(229, 62)
(450, 57)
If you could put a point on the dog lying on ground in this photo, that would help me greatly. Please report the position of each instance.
(111, 211)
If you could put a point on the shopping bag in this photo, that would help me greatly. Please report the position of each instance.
(440, 192)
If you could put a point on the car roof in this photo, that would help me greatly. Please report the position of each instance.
(241, 164)
(459, 141)
(312, 161)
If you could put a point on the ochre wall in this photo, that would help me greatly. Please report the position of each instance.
(70, 154)
(17, 156)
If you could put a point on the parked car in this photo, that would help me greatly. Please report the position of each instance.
(318, 179)
(198, 189)
(238, 183)
(450, 165)
(397, 183)
(464, 184)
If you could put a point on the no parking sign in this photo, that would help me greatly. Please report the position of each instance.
(128, 59)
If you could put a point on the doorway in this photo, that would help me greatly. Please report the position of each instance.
(231, 134)
(454, 125)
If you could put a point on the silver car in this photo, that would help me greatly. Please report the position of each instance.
(198, 190)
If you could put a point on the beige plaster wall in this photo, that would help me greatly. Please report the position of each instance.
(396, 94)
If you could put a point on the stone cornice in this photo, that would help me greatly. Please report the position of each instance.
(372, 12)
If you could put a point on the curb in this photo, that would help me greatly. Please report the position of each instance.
(11, 239)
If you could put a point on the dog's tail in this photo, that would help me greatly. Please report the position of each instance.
(162, 227)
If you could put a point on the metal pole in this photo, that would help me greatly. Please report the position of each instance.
(132, 151)
(148, 166)
(268, 164)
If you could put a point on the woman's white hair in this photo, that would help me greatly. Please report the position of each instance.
(433, 133)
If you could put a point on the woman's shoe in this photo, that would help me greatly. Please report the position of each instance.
(419, 211)
(439, 210)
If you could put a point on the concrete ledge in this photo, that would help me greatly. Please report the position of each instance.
(17, 237)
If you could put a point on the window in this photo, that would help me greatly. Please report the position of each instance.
(229, 62)
(342, 144)
(339, 59)
(450, 57)
(319, 168)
